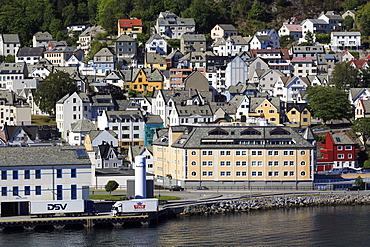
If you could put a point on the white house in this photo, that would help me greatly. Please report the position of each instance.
(230, 46)
(190, 114)
(223, 30)
(9, 44)
(42, 173)
(265, 39)
(29, 55)
(157, 44)
(41, 39)
(304, 66)
(70, 109)
(341, 41)
(288, 88)
(170, 26)
(79, 130)
(291, 29)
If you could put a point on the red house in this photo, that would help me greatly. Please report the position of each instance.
(339, 151)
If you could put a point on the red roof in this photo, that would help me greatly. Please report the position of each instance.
(303, 59)
(129, 22)
(359, 63)
(284, 52)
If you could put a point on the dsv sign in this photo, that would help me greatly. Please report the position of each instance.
(57, 206)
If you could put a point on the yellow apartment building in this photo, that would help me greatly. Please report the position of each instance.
(299, 114)
(233, 156)
(146, 80)
(268, 108)
(130, 27)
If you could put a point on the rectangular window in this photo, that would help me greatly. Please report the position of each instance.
(27, 190)
(285, 173)
(38, 190)
(73, 192)
(228, 174)
(26, 174)
(349, 156)
(4, 175)
(210, 173)
(228, 163)
(340, 156)
(59, 192)
(254, 153)
(270, 153)
(4, 191)
(210, 153)
(286, 163)
(237, 153)
(222, 174)
(340, 147)
(244, 174)
(276, 153)
(348, 147)
(228, 153)
(291, 173)
(204, 174)
(204, 163)
(238, 174)
(237, 163)
(259, 174)
(276, 174)
(204, 153)
(244, 163)
(38, 174)
(244, 153)
(254, 174)
(15, 190)
(254, 163)
(276, 163)
(291, 163)
(259, 153)
(15, 175)
(73, 173)
(270, 163)
(291, 153)
(137, 136)
(210, 163)
(269, 174)
(136, 127)
(59, 173)
(259, 163)
(222, 153)
(286, 153)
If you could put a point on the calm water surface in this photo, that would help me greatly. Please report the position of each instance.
(316, 226)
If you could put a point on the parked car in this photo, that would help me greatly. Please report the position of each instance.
(176, 188)
(318, 129)
(202, 188)
(354, 188)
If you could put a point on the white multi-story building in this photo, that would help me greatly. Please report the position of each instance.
(170, 26)
(341, 41)
(230, 46)
(9, 44)
(70, 109)
(42, 173)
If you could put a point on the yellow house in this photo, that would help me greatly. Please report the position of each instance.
(146, 80)
(130, 27)
(155, 61)
(264, 107)
(234, 156)
(299, 115)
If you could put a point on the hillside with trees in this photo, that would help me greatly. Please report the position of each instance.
(26, 17)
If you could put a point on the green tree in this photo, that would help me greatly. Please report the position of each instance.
(95, 47)
(174, 43)
(361, 128)
(359, 182)
(344, 76)
(109, 11)
(10, 58)
(348, 22)
(112, 185)
(323, 38)
(328, 103)
(309, 37)
(286, 40)
(362, 19)
(367, 164)
(51, 89)
(257, 12)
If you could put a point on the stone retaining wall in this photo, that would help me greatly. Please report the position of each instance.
(244, 205)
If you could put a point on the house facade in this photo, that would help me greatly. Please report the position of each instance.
(341, 41)
(170, 26)
(131, 27)
(233, 156)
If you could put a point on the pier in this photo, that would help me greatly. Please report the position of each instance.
(28, 223)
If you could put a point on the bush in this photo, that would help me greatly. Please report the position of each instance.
(46, 119)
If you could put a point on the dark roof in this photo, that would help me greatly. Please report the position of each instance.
(30, 51)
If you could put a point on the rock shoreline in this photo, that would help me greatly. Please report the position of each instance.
(246, 205)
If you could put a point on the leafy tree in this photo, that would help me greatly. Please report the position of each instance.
(363, 17)
(10, 58)
(174, 43)
(240, 8)
(367, 164)
(361, 127)
(323, 38)
(344, 76)
(286, 40)
(55, 27)
(112, 185)
(281, 3)
(352, 4)
(257, 12)
(365, 77)
(348, 22)
(109, 11)
(359, 182)
(309, 37)
(95, 47)
(328, 103)
(69, 14)
(51, 89)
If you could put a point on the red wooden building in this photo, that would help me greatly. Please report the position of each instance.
(338, 151)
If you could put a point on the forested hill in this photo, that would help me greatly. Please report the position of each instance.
(26, 17)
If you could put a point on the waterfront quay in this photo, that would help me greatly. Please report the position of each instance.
(105, 220)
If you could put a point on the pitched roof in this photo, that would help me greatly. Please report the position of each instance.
(303, 59)
(124, 38)
(359, 63)
(228, 27)
(83, 126)
(154, 58)
(193, 37)
(129, 22)
(41, 36)
(294, 27)
(30, 51)
(11, 38)
(341, 138)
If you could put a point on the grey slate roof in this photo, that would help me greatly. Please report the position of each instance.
(42, 156)
(257, 101)
(120, 115)
(125, 38)
(154, 58)
(42, 36)
(190, 110)
(30, 51)
(181, 96)
(366, 104)
(193, 37)
(104, 52)
(83, 126)
(11, 38)
(228, 27)
(154, 119)
(95, 133)
(219, 136)
(341, 138)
